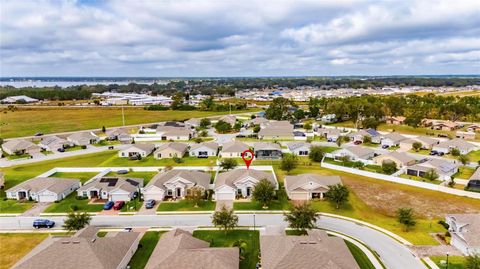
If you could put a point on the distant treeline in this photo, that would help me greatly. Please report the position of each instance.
(228, 86)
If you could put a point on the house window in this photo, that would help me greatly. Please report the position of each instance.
(84, 194)
(169, 192)
(123, 154)
(239, 191)
(159, 155)
(303, 153)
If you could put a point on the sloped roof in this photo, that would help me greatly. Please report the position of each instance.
(305, 252)
(147, 147)
(235, 146)
(476, 175)
(399, 156)
(52, 140)
(457, 143)
(196, 177)
(442, 166)
(179, 249)
(266, 146)
(211, 145)
(111, 183)
(297, 145)
(472, 223)
(395, 137)
(174, 130)
(53, 184)
(359, 151)
(18, 144)
(180, 147)
(82, 135)
(229, 178)
(294, 182)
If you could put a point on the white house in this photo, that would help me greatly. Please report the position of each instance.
(54, 143)
(425, 141)
(233, 149)
(112, 188)
(20, 146)
(168, 132)
(465, 232)
(445, 169)
(175, 184)
(19, 98)
(206, 149)
(309, 186)
(355, 153)
(392, 139)
(140, 149)
(43, 189)
(299, 148)
(240, 182)
(83, 139)
(457, 143)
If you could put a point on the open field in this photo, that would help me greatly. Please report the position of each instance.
(14, 246)
(141, 256)
(82, 176)
(220, 239)
(28, 121)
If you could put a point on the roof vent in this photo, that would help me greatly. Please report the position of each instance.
(76, 242)
(93, 240)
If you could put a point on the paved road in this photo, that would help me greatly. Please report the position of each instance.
(392, 253)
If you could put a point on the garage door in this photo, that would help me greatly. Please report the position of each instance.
(299, 196)
(153, 196)
(120, 197)
(225, 196)
(47, 197)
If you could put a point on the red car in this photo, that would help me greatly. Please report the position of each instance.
(118, 205)
(357, 142)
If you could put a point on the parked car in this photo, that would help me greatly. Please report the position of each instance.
(440, 153)
(433, 152)
(43, 223)
(108, 205)
(118, 205)
(150, 204)
(385, 146)
(122, 172)
(357, 142)
(38, 134)
(61, 150)
(110, 147)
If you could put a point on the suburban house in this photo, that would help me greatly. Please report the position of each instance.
(465, 135)
(112, 188)
(427, 142)
(233, 149)
(120, 135)
(240, 182)
(20, 146)
(474, 180)
(355, 153)
(392, 139)
(267, 150)
(43, 189)
(315, 250)
(83, 139)
(445, 125)
(309, 186)
(457, 143)
(192, 123)
(400, 159)
(140, 149)
(372, 133)
(276, 130)
(175, 184)
(465, 231)
(169, 132)
(445, 169)
(330, 134)
(171, 150)
(299, 148)
(230, 119)
(473, 128)
(396, 120)
(262, 122)
(179, 249)
(54, 143)
(329, 118)
(205, 149)
(83, 250)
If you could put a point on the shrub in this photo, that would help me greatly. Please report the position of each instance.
(84, 147)
(444, 224)
(177, 160)
(74, 207)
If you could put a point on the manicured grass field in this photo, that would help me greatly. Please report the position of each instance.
(186, 205)
(114, 160)
(435, 181)
(464, 172)
(281, 203)
(359, 256)
(13, 206)
(474, 156)
(28, 121)
(454, 262)
(147, 176)
(145, 248)
(66, 204)
(82, 176)
(132, 206)
(219, 239)
(14, 246)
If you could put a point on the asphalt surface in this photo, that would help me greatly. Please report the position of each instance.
(393, 254)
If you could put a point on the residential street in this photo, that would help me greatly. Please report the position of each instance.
(392, 253)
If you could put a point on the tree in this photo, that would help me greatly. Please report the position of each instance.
(195, 194)
(307, 126)
(389, 167)
(431, 175)
(405, 217)
(264, 192)
(370, 123)
(207, 103)
(223, 127)
(338, 194)
(205, 123)
(256, 128)
(344, 159)
(279, 109)
(228, 164)
(464, 159)
(242, 247)
(299, 114)
(289, 162)
(103, 129)
(472, 262)
(455, 152)
(416, 146)
(177, 102)
(76, 221)
(316, 153)
(367, 139)
(225, 219)
(302, 217)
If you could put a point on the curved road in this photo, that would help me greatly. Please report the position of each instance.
(393, 254)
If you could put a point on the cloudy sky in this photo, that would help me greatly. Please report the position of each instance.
(239, 38)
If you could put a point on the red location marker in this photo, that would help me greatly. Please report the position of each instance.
(247, 157)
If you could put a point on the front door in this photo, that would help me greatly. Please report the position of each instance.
(249, 191)
(179, 192)
(93, 194)
(316, 195)
(22, 195)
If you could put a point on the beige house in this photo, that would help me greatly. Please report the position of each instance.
(140, 149)
(83, 250)
(465, 135)
(396, 120)
(230, 119)
(427, 142)
(309, 186)
(277, 130)
(169, 132)
(315, 250)
(111, 188)
(445, 125)
(233, 149)
(83, 139)
(43, 189)
(178, 249)
(400, 159)
(20, 146)
(240, 182)
(171, 150)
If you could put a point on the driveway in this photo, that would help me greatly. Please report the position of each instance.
(151, 211)
(36, 209)
(228, 204)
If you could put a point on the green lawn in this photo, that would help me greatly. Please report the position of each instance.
(82, 176)
(436, 182)
(147, 176)
(16, 157)
(186, 205)
(474, 156)
(454, 262)
(219, 239)
(464, 172)
(281, 203)
(28, 121)
(14, 206)
(145, 248)
(66, 204)
(114, 160)
(14, 246)
(421, 151)
(74, 148)
(132, 206)
(359, 256)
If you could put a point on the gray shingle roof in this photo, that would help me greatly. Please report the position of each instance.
(210, 145)
(53, 184)
(112, 183)
(472, 222)
(197, 177)
(230, 177)
(294, 182)
(180, 147)
(235, 146)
